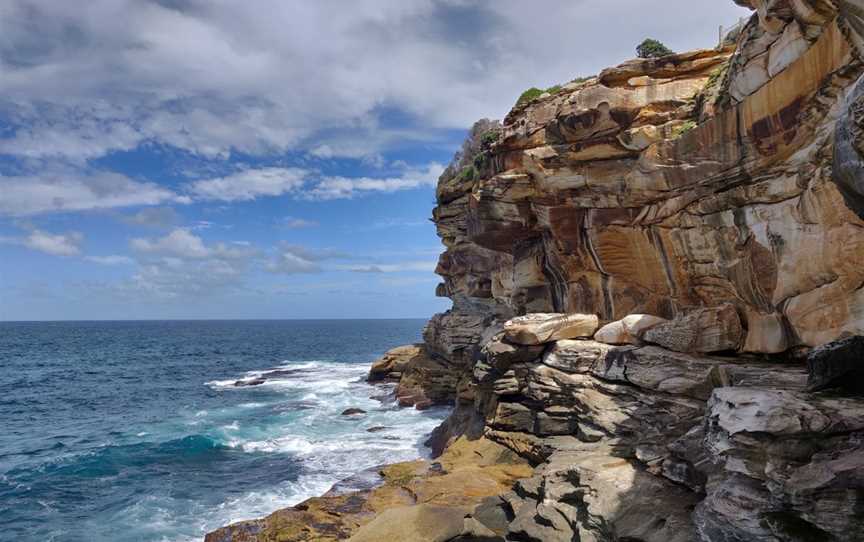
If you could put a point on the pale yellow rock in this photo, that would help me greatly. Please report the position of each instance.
(419, 523)
(541, 328)
(628, 330)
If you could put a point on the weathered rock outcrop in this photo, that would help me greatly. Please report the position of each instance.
(423, 379)
(705, 211)
(708, 208)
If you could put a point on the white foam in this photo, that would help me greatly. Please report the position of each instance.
(330, 447)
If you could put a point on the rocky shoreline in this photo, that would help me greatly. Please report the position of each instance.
(657, 278)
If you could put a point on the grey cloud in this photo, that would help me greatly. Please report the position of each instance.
(70, 189)
(217, 77)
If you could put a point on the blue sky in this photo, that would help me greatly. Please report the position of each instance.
(267, 159)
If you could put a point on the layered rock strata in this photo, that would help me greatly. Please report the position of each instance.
(657, 278)
(707, 207)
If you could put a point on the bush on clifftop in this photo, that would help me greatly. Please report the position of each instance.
(533, 93)
(651, 48)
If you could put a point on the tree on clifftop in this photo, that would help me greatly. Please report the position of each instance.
(651, 48)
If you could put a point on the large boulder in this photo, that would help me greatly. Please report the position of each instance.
(542, 328)
(716, 329)
(392, 364)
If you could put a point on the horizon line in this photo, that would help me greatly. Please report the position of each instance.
(2, 321)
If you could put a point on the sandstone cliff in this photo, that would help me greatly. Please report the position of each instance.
(717, 197)
(657, 278)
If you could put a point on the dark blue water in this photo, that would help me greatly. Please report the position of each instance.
(135, 431)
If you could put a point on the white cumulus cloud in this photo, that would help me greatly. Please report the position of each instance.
(70, 190)
(57, 244)
(250, 184)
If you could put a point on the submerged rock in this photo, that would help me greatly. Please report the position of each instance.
(249, 382)
(353, 412)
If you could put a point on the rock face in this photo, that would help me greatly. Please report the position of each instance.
(839, 364)
(707, 208)
(423, 379)
(662, 186)
(705, 211)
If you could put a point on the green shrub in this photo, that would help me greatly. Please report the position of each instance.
(533, 93)
(468, 173)
(480, 160)
(717, 75)
(682, 129)
(651, 48)
(490, 138)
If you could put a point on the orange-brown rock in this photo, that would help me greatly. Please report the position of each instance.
(665, 185)
(468, 472)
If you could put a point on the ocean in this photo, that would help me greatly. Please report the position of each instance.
(137, 431)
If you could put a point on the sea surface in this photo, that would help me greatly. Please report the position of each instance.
(136, 431)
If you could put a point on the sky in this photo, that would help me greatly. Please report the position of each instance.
(165, 159)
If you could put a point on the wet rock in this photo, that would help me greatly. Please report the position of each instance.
(541, 328)
(249, 382)
(377, 429)
(838, 364)
(353, 412)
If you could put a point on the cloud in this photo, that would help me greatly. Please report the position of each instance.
(214, 78)
(250, 184)
(181, 265)
(348, 187)
(169, 279)
(179, 243)
(295, 259)
(56, 244)
(110, 260)
(426, 266)
(292, 223)
(60, 244)
(71, 190)
(153, 217)
(184, 245)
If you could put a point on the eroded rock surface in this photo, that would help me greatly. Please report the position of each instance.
(716, 194)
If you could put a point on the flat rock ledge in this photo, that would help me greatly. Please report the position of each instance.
(414, 501)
